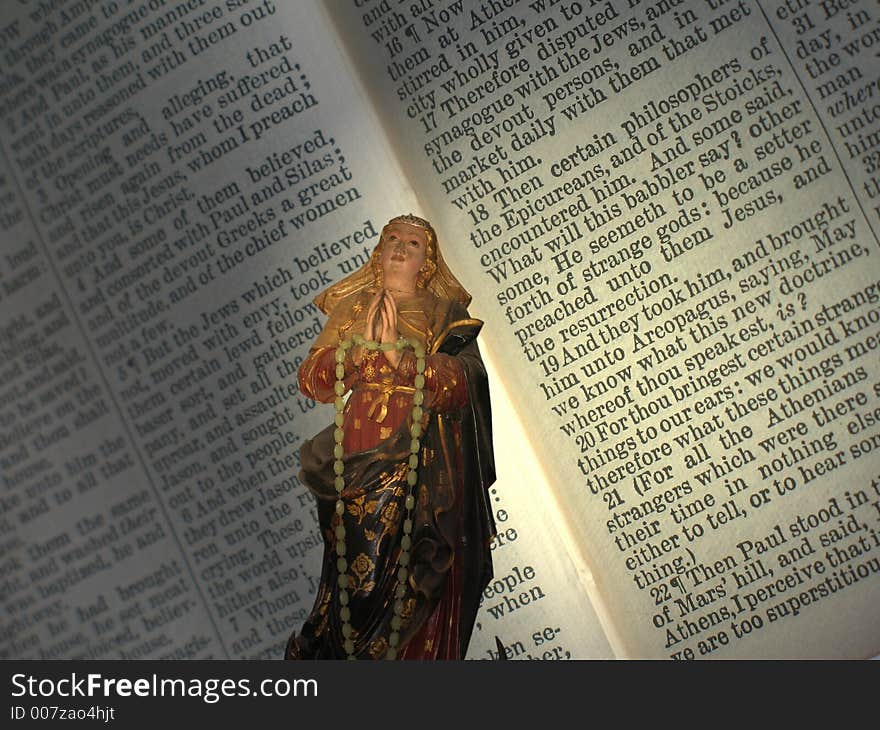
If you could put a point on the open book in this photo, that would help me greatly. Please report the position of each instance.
(666, 212)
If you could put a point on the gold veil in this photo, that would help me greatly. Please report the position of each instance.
(442, 283)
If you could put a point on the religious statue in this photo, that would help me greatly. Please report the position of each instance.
(402, 477)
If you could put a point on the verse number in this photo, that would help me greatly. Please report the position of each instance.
(612, 498)
(478, 213)
(660, 594)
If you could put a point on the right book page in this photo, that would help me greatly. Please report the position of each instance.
(668, 212)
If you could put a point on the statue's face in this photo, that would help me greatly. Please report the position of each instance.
(404, 250)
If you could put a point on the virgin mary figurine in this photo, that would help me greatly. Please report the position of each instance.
(401, 477)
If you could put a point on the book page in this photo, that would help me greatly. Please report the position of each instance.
(669, 212)
(535, 601)
(177, 182)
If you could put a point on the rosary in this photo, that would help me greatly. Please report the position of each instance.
(411, 478)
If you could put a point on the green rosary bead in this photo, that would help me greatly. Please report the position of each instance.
(411, 478)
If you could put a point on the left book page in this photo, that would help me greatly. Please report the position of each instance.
(177, 182)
